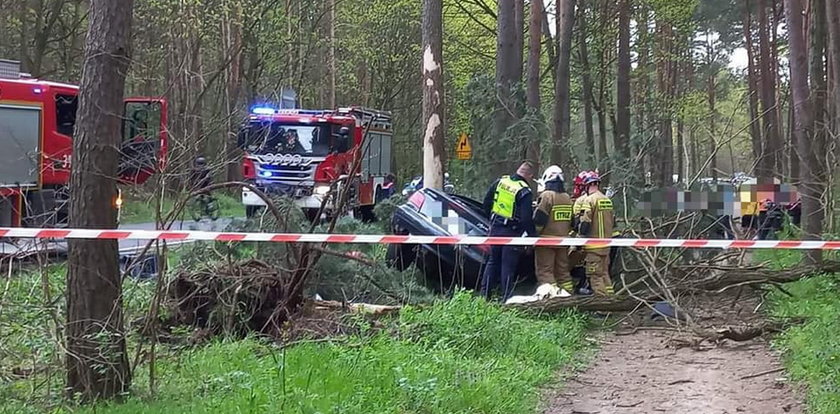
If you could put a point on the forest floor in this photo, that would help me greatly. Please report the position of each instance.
(643, 366)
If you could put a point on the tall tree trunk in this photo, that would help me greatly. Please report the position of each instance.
(96, 360)
(505, 71)
(232, 28)
(434, 155)
(767, 164)
(622, 133)
(711, 92)
(586, 93)
(331, 103)
(518, 42)
(664, 62)
(833, 54)
(562, 104)
(752, 83)
(812, 213)
(533, 89)
(819, 89)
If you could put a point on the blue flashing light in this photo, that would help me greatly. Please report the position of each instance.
(263, 110)
(265, 173)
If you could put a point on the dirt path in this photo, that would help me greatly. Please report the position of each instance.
(639, 374)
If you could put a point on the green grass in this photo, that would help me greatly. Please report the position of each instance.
(811, 350)
(460, 356)
(140, 209)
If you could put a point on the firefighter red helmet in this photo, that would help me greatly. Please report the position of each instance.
(592, 177)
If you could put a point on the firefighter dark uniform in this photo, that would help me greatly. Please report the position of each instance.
(597, 222)
(553, 218)
(509, 205)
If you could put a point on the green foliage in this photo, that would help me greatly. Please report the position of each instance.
(812, 351)
(461, 356)
(141, 209)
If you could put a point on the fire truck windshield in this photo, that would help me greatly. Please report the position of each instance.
(265, 137)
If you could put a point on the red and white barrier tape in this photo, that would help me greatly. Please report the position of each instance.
(34, 233)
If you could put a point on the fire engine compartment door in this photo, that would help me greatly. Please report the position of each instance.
(144, 139)
(20, 144)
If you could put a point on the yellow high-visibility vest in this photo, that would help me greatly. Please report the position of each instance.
(505, 198)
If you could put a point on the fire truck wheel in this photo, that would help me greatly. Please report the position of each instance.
(251, 211)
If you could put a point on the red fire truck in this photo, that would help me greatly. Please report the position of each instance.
(304, 154)
(37, 119)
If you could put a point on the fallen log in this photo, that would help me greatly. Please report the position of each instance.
(716, 283)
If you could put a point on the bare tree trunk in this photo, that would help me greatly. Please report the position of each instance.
(233, 45)
(711, 92)
(533, 89)
(664, 79)
(331, 58)
(562, 104)
(586, 93)
(833, 54)
(767, 164)
(622, 134)
(518, 42)
(96, 360)
(812, 213)
(752, 83)
(434, 155)
(819, 89)
(505, 72)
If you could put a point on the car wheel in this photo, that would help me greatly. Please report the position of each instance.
(400, 256)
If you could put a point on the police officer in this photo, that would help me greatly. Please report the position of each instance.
(509, 203)
(553, 218)
(597, 222)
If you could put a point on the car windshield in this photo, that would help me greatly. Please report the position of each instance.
(266, 137)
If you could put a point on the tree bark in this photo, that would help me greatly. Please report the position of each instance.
(622, 134)
(96, 360)
(232, 27)
(767, 163)
(331, 55)
(812, 213)
(833, 54)
(664, 80)
(711, 93)
(533, 87)
(586, 93)
(562, 104)
(433, 97)
(752, 83)
(519, 41)
(819, 88)
(505, 72)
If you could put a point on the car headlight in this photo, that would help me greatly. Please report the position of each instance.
(321, 190)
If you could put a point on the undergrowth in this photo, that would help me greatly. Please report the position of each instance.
(140, 208)
(458, 356)
(811, 350)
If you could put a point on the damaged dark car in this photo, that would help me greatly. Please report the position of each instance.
(430, 212)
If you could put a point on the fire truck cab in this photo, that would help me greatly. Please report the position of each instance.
(308, 154)
(37, 122)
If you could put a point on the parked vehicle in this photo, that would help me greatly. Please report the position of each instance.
(37, 121)
(430, 212)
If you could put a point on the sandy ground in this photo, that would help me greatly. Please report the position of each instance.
(641, 371)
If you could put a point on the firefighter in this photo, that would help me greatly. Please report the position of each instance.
(200, 176)
(508, 203)
(597, 222)
(553, 218)
(576, 255)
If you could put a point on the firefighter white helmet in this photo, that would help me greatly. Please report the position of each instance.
(552, 173)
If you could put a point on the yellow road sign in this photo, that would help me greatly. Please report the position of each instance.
(463, 150)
